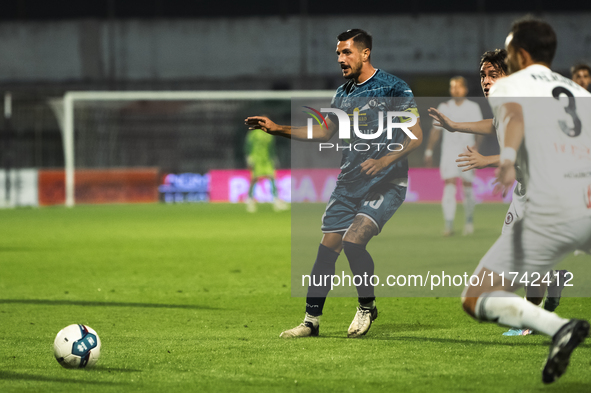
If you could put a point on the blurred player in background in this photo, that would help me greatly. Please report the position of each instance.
(460, 110)
(493, 67)
(259, 149)
(581, 75)
(558, 213)
(371, 186)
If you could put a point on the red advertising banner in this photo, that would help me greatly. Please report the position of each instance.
(138, 185)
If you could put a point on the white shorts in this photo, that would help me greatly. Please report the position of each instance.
(448, 168)
(515, 212)
(529, 248)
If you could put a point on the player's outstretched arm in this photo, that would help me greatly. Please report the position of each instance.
(319, 133)
(474, 160)
(482, 127)
(372, 167)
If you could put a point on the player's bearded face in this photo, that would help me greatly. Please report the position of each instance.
(350, 59)
(352, 70)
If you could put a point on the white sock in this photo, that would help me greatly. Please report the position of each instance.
(311, 318)
(511, 310)
(448, 203)
(469, 204)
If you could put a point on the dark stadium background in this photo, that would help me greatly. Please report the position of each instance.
(33, 136)
(192, 297)
(46, 10)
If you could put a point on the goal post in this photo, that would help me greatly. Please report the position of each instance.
(72, 99)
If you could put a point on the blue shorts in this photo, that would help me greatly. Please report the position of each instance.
(379, 205)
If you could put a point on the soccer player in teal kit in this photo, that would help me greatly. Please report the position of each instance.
(372, 184)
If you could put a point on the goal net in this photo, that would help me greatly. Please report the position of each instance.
(116, 144)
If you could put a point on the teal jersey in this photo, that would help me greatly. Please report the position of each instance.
(382, 92)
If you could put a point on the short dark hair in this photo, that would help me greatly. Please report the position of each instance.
(578, 67)
(360, 37)
(496, 58)
(536, 37)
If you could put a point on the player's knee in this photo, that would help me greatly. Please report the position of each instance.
(361, 231)
(350, 246)
(449, 192)
(334, 241)
(349, 238)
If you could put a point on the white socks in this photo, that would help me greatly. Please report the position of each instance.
(469, 204)
(511, 310)
(448, 203)
(314, 320)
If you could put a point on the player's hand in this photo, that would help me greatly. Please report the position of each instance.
(440, 120)
(428, 161)
(261, 123)
(372, 167)
(471, 160)
(505, 177)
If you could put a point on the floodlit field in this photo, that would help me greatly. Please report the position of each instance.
(193, 298)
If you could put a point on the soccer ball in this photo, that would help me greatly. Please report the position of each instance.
(77, 346)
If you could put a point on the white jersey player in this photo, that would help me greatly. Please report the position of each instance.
(461, 110)
(538, 108)
(558, 156)
(454, 143)
(492, 69)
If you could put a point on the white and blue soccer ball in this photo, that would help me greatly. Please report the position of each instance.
(77, 346)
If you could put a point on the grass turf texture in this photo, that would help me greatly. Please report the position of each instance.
(193, 298)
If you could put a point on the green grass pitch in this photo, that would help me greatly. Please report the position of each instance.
(193, 298)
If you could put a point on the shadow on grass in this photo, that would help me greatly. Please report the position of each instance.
(12, 376)
(440, 340)
(391, 334)
(525, 342)
(102, 304)
(464, 341)
(566, 386)
(407, 327)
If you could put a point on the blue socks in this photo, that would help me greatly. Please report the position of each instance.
(324, 265)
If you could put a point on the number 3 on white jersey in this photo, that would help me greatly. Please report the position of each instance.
(571, 110)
